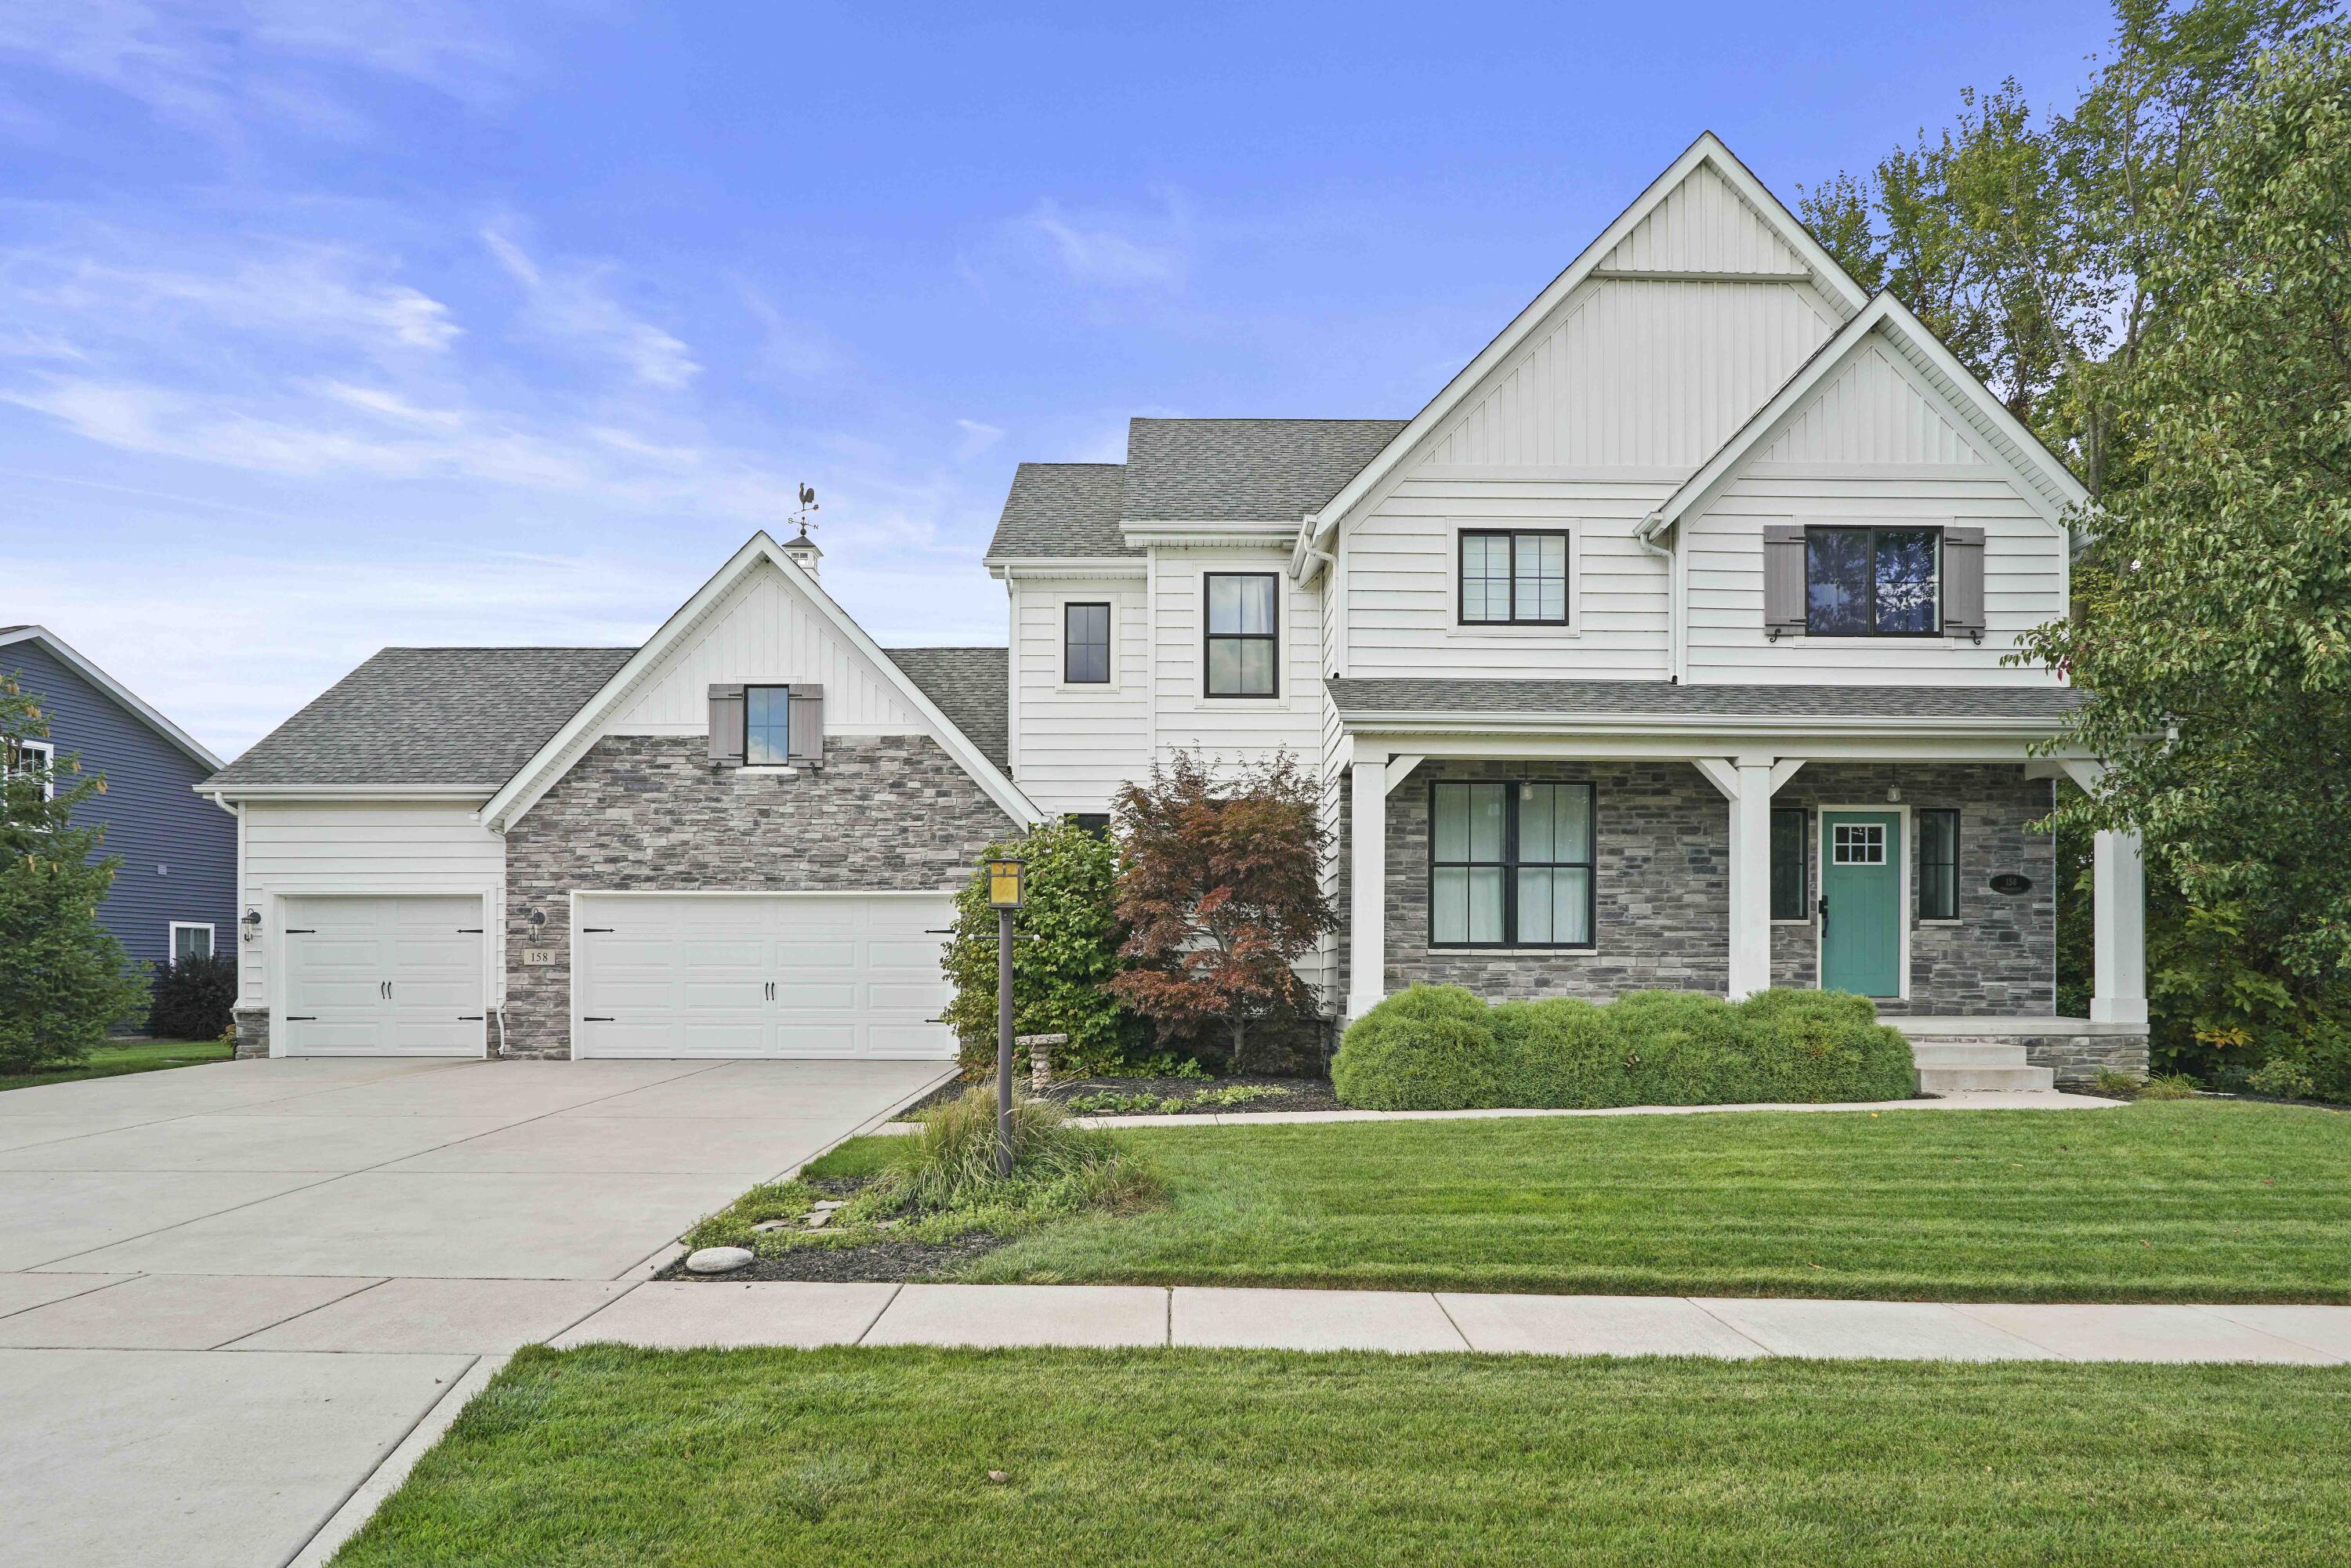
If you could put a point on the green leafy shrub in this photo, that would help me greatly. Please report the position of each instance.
(193, 999)
(1432, 1048)
(2170, 1086)
(2281, 1079)
(1442, 1048)
(1071, 937)
(2125, 1085)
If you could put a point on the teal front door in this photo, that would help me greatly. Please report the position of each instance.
(1861, 896)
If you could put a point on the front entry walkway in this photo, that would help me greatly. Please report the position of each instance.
(226, 1292)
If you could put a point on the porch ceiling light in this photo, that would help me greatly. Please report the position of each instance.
(1005, 885)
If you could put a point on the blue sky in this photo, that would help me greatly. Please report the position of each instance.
(330, 324)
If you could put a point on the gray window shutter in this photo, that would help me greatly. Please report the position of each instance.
(726, 726)
(807, 737)
(1783, 578)
(1963, 589)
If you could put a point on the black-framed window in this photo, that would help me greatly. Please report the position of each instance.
(1510, 865)
(1086, 645)
(1094, 822)
(1791, 841)
(1244, 645)
(1873, 582)
(1938, 866)
(767, 725)
(1514, 577)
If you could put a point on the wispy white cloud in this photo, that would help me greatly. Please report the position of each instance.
(976, 438)
(1115, 250)
(572, 307)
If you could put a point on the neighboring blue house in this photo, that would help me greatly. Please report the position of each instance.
(175, 892)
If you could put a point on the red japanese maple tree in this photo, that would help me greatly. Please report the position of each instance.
(1220, 887)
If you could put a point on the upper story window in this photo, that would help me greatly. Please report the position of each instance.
(1086, 645)
(767, 725)
(1514, 577)
(37, 756)
(1244, 649)
(1873, 582)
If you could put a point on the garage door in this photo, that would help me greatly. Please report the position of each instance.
(764, 975)
(383, 977)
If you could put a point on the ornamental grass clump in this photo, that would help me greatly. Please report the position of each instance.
(1443, 1047)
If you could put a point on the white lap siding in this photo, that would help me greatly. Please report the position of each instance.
(296, 848)
(1076, 744)
(1232, 730)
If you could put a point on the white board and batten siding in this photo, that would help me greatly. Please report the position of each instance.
(1232, 731)
(297, 853)
(1702, 225)
(1076, 744)
(763, 633)
(1877, 447)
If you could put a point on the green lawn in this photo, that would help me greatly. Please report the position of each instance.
(130, 1056)
(2201, 1201)
(615, 1457)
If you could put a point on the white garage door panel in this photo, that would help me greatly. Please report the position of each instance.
(681, 975)
(383, 977)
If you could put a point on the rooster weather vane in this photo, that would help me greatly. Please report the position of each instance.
(807, 505)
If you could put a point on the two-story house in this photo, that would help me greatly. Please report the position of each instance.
(1668, 645)
(174, 894)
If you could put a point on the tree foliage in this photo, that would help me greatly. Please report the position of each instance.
(1071, 951)
(63, 979)
(1222, 895)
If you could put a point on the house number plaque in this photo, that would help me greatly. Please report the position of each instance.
(2009, 882)
(538, 956)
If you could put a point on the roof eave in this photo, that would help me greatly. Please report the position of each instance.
(1454, 722)
(233, 791)
(122, 694)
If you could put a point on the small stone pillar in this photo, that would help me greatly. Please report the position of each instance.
(1041, 1062)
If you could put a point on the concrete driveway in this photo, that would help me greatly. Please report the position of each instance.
(226, 1292)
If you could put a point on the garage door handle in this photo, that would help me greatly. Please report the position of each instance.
(301, 1017)
(469, 1017)
(591, 1018)
(469, 931)
(301, 931)
(595, 930)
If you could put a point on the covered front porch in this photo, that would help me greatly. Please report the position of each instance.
(1762, 839)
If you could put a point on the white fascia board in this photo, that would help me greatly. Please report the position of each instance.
(1178, 534)
(113, 688)
(553, 759)
(1008, 567)
(1571, 723)
(1838, 284)
(461, 792)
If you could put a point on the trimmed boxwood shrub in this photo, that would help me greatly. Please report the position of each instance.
(1440, 1048)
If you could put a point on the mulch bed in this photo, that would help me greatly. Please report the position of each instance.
(1299, 1093)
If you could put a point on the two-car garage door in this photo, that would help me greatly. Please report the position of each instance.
(760, 975)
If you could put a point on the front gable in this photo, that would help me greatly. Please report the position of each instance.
(761, 619)
(1872, 411)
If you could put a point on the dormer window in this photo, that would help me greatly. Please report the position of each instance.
(767, 725)
(1514, 577)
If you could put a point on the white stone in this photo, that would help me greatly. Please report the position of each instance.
(717, 1260)
(826, 1206)
(817, 1220)
(767, 1225)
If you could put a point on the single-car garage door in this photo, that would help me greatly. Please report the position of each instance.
(383, 977)
(760, 975)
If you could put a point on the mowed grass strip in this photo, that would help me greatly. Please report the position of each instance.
(608, 1456)
(2198, 1201)
(130, 1056)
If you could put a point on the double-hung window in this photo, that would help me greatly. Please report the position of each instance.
(1510, 866)
(191, 939)
(38, 758)
(767, 725)
(1790, 842)
(1873, 582)
(1938, 866)
(1514, 577)
(1086, 645)
(1244, 649)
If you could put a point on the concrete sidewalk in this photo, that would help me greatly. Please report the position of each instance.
(677, 1314)
(1970, 1099)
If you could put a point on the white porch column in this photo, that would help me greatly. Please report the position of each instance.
(2118, 884)
(1367, 887)
(1750, 878)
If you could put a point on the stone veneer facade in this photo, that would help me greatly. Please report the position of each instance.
(650, 811)
(1662, 892)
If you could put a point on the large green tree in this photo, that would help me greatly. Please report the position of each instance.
(2219, 643)
(63, 979)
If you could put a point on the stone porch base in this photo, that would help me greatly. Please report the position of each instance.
(2075, 1050)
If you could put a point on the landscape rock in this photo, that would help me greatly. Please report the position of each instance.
(819, 1220)
(767, 1225)
(826, 1206)
(717, 1260)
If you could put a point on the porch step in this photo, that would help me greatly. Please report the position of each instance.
(1953, 1066)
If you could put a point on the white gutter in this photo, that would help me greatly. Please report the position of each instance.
(1457, 723)
(222, 792)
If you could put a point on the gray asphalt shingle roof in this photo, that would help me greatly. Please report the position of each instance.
(1244, 470)
(1664, 699)
(970, 685)
(1057, 510)
(430, 716)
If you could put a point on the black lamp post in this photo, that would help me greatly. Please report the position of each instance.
(1003, 894)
